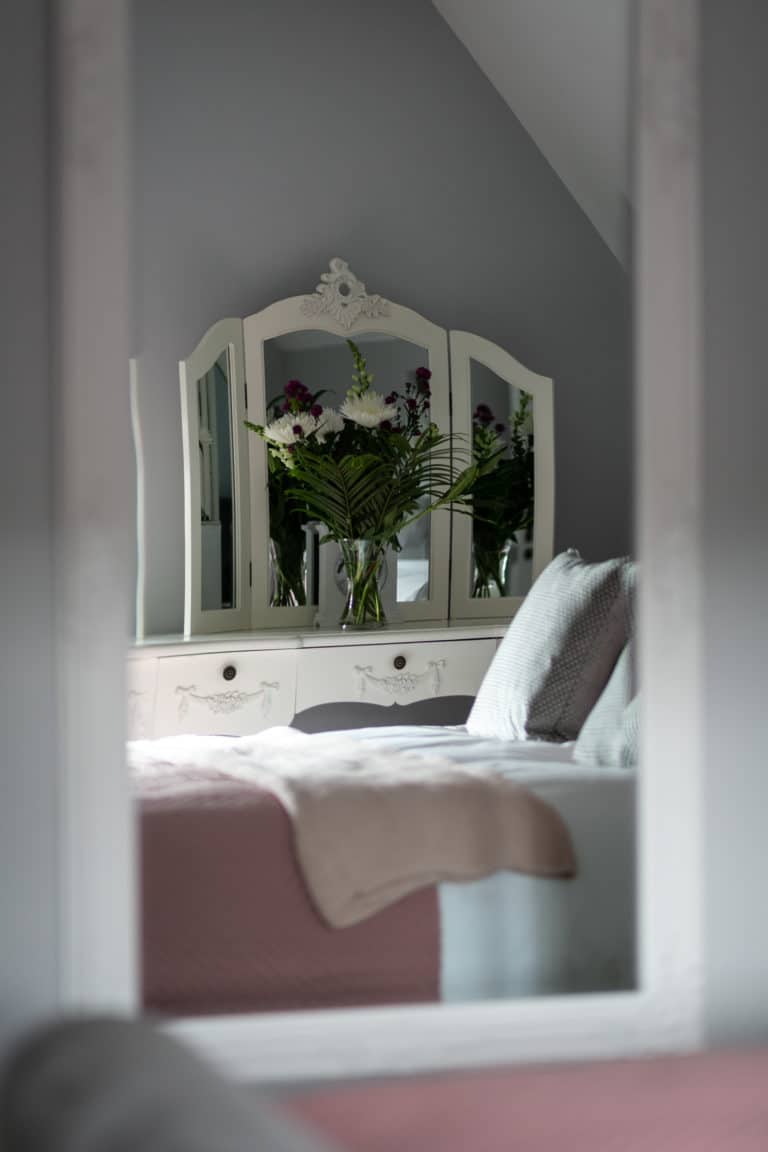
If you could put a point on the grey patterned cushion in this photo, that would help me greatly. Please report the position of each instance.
(611, 732)
(558, 652)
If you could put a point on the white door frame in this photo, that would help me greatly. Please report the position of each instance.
(95, 515)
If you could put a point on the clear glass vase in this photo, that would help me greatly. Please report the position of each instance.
(287, 563)
(363, 569)
(490, 569)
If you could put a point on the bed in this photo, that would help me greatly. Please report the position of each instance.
(229, 924)
(286, 871)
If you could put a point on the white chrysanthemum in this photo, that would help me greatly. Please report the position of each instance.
(328, 424)
(369, 409)
(286, 430)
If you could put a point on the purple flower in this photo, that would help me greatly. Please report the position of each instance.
(411, 405)
(391, 399)
(499, 428)
(483, 414)
(386, 425)
(424, 388)
(297, 430)
(423, 374)
(293, 387)
(316, 410)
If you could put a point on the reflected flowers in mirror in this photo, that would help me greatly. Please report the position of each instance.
(364, 472)
(502, 493)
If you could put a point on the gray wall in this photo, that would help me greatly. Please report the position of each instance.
(735, 301)
(28, 745)
(274, 135)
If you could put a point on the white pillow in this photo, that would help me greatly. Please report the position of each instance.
(558, 652)
(611, 733)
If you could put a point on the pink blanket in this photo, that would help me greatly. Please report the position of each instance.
(228, 925)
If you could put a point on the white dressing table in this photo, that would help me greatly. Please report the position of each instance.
(240, 683)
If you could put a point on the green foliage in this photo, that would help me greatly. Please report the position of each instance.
(502, 494)
(375, 496)
(363, 482)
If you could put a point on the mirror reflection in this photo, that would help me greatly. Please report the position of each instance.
(440, 808)
(503, 494)
(216, 465)
(307, 376)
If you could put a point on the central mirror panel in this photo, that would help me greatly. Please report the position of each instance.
(311, 372)
(341, 385)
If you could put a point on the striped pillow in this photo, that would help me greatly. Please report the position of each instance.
(558, 652)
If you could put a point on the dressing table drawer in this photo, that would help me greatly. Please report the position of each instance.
(391, 673)
(225, 693)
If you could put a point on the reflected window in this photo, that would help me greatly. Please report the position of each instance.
(216, 487)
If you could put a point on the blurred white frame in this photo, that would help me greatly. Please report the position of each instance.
(98, 853)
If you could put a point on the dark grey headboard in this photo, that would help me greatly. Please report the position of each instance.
(330, 717)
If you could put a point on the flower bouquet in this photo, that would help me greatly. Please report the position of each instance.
(365, 472)
(502, 492)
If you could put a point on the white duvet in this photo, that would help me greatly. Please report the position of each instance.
(513, 935)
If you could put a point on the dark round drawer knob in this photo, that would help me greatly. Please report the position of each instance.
(229, 672)
(399, 662)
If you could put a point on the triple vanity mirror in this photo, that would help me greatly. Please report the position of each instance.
(252, 561)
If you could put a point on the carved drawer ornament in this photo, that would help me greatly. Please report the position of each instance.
(343, 297)
(223, 703)
(138, 718)
(400, 683)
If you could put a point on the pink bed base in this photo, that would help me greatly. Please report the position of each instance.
(227, 925)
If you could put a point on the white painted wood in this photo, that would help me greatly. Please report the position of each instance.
(404, 634)
(138, 451)
(94, 502)
(370, 673)
(224, 336)
(395, 1041)
(180, 687)
(466, 347)
(336, 1045)
(326, 314)
(195, 695)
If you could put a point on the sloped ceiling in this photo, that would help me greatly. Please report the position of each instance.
(562, 66)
